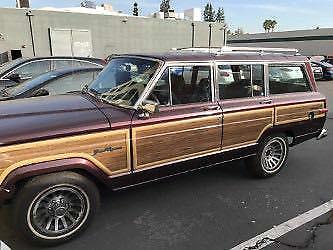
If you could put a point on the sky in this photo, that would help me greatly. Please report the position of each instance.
(246, 14)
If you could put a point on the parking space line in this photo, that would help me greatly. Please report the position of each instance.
(3, 246)
(286, 227)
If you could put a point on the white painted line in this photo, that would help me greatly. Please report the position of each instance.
(3, 246)
(286, 227)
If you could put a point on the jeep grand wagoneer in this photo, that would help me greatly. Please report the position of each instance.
(147, 117)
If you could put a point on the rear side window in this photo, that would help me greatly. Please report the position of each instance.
(240, 81)
(287, 79)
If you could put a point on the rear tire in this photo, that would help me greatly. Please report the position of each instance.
(271, 156)
(51, 209)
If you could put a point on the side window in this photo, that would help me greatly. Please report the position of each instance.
(62, 64)
(33, 69)
(190, 84)
(84, 64)
(240, 81)
(287, 79)
(161, 91)
(73, 82)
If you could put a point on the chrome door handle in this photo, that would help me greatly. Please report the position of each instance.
(212, 108)
(266, 102)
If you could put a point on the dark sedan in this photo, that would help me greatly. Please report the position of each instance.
(327, 69)
(52, 83)
(24, 69)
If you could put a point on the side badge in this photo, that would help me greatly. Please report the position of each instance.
(104, 150)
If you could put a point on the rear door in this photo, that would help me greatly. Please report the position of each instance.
(247, 110)
(294, 94)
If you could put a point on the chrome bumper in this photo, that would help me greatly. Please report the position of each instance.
(322, 134)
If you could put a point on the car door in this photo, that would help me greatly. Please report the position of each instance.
(188, 124)
(247, 111)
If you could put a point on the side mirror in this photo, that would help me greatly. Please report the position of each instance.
(147, 108)
(41, 92)
(14, 77)
(150, 106)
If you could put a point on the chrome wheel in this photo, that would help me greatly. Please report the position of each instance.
(274, 154)
(58, 212)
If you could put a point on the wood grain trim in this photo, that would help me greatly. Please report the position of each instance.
(298, 112)
(241, 128)
(175, 140)
(82, 146)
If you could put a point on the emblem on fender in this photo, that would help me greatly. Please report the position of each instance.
(104, 150)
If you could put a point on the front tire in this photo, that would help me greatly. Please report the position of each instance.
(271, 156)
(53, 208)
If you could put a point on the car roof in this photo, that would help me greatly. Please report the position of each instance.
(90, 59)
(225, 56)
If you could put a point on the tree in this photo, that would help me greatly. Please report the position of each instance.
(135, 9)
(165, 6)
(273, 24)
(266, 25)
(206, 13)
(209, 13)
(220, 18)
(269, 25)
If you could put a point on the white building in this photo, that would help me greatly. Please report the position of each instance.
(193, 14)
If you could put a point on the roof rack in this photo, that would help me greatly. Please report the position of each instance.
(224, 49)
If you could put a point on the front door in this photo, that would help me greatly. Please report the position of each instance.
(188, 124)
(247, 111)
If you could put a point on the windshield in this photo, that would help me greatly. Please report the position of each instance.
(8, 65)
(123, 80)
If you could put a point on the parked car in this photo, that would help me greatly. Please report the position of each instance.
(23, 69)
(52, 83)
(144, 118)
(317, 71)
(327, 69)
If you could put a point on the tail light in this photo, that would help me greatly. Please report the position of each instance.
(323, 111)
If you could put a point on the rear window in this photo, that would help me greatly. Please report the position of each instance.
(287, 79)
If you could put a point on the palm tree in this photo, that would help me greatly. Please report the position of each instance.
(273, 24)
(266, 25)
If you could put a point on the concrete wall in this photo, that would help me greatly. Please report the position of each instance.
(110, 34)
(309, 42)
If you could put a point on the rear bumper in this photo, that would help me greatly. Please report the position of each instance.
(322, 134)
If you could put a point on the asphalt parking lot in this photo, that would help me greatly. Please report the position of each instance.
(215, 208)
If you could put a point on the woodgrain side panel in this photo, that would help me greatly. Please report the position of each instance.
(114, 162)
(245, 127)
(161, 143)
(298, 112)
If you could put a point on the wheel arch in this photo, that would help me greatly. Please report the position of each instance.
(79, 165)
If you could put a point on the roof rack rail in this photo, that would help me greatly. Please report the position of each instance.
(224, 49)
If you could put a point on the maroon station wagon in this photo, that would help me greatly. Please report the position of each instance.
(146, 117)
